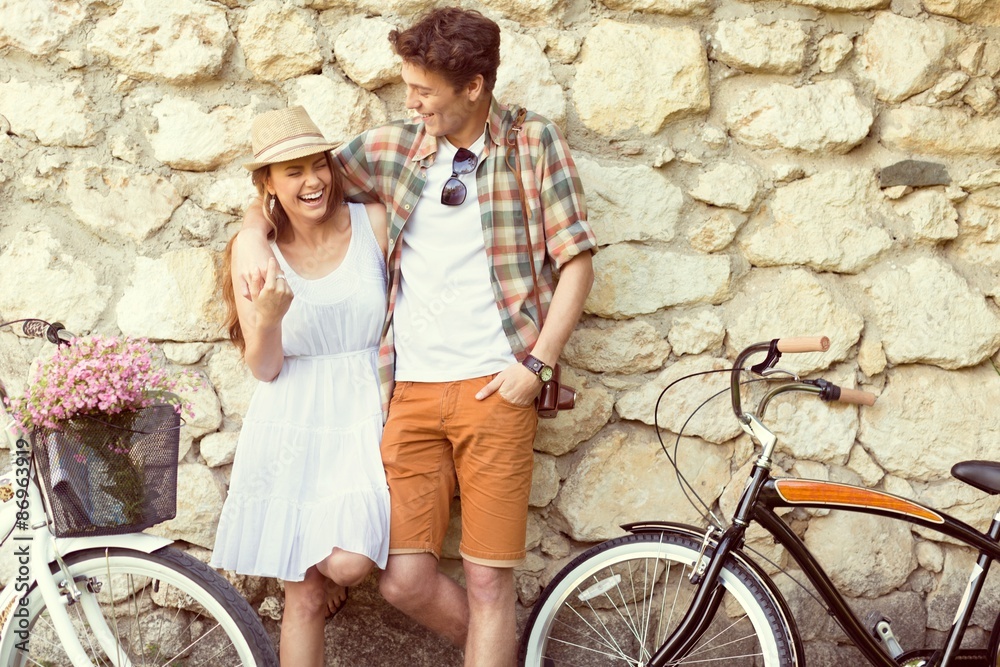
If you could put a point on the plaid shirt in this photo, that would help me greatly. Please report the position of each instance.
(388, 164)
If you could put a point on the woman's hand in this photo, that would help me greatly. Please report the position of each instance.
(273, 298)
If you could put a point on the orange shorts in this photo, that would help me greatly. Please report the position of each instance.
(438, 434)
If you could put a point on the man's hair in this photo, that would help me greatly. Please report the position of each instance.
(455, 43)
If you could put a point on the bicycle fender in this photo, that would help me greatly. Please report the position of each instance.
(637, 527)
(138, 541)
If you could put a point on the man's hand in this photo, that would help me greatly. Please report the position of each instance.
(252, 251)
(516, 384)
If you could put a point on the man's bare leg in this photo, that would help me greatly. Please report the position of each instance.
(413, 584)
(492, 640)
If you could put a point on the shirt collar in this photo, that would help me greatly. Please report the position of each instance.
(494, 134)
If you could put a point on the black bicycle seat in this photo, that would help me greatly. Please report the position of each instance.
(984, 475)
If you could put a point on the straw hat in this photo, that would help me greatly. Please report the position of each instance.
(284, 134)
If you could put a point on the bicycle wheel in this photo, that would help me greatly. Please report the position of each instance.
(162, 608)
(617, 603)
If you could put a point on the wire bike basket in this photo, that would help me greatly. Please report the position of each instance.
(110, 474)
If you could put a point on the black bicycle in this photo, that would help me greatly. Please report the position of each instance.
(674, 594)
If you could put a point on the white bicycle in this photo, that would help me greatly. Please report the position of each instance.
(122, 600)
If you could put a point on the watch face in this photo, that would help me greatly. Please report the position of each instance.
(545, 374)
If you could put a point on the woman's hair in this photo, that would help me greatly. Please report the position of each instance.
(456, 43)
(278, 220)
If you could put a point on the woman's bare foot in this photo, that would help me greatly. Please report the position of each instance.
(336, 598)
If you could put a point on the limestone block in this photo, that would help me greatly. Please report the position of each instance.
(715, 422)
(717, 230)
(188, 138)
(629, 203)
(219, 449)
(195, 222)
(696, 332)
(279, 41)
(54, 114)
(981, 180)
(900, 57)
(833, 221)
(674, 7)
(199, 506)
(593, 409)
(823, 117)
(114, 200)
(871, 356)
(623, 476)
(729, 185)
(810, 429)
(632, 280)
(525, 78)
(233, 381)
(926, 419)
(535, 531)
(37, 26)
(930, 556)
(206, 412)
(792, 302)
(751, 46)
(612, 91)
(528, 12)
(977, 12)
(41, 277)
(832, 50)
(981, 96)
(173, 297)
(876, 560)
(373, 7)
(946, 88)
(562, 47)
(544, 481)
(224, 194)
(185, 354)
(181, 41)
(340, 110)
(627, 347)
(931, 215)
(841, 5)
(862, 463)
(944, 131)
(957, 327)
(364, 53)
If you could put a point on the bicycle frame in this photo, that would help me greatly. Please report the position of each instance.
(763, 494)
(40, 556)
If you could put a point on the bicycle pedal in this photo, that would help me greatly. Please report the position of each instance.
(881, 629)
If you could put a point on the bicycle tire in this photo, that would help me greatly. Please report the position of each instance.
(592, 613)
(196, 618)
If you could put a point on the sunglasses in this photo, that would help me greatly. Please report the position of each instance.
(454, 190)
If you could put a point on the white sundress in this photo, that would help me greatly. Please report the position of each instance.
(308, 474)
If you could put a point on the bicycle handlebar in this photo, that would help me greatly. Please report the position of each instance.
(856, 396)
(774, 349)
(803, 344)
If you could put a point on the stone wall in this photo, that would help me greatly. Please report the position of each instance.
(753, 168)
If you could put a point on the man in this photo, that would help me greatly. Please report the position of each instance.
(462, 332)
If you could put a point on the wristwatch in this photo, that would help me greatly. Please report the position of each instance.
(538, 367)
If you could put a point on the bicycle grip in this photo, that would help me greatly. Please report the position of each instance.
(804, 344)
(856, 396)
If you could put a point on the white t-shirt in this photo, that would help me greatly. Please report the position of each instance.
(446, 323)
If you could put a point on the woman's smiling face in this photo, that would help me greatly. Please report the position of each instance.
(302, 186)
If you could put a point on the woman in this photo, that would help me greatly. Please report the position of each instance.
(308, 501)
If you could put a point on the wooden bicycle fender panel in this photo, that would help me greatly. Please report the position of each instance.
(816, 492)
